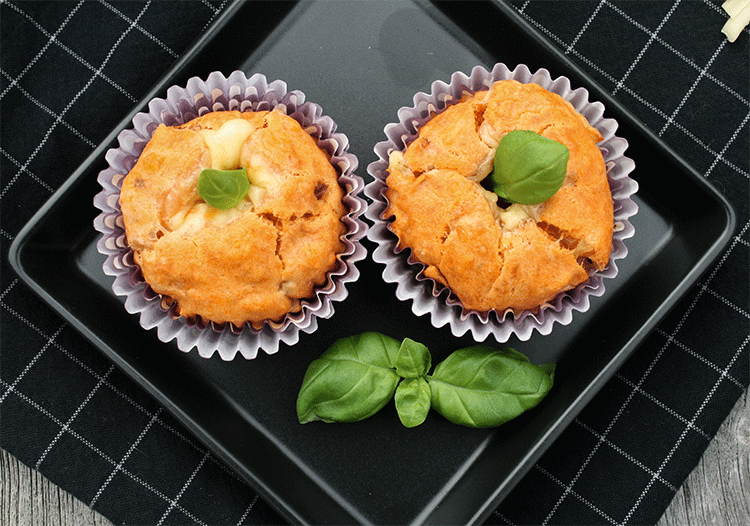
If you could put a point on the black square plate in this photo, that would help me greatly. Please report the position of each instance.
(361, 61)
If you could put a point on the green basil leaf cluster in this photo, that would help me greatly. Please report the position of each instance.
(223, 189)
(476, 386)
(529, 168)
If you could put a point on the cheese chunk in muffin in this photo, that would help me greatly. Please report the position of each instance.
(491, 254)
(252, 263)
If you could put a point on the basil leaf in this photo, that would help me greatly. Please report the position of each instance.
(529, 168)
(481, 387)
(412, 401)
(413, 359)
(223, 189)
(351, 381)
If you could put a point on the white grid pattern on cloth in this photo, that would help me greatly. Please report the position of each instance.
(53, 40)
(625, 454)
(22, 168)
(50, 342)
(698, 356)
(656, 475)
(602, 438)
(652, 36)
(134, 24)
(68, 422)
(50, 39)
(125, 457)
(59, 116)
(10, 388)
(701, 76)
(48, 111)
(663, 406)
(174, 502)
(569, 48)
(720, 155)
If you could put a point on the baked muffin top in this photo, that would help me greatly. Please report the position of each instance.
(491, 254)
(257, 260)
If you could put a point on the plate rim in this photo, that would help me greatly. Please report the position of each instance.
(22, 240)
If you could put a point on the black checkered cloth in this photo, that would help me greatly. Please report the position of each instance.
(70, 413)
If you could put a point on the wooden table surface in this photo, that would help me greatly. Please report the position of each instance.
(716, 493)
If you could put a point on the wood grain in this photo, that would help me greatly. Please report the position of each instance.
(716, 493)
(27, 498)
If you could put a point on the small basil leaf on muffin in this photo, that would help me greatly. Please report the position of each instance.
(223, 189)
(482, 387)
(412, 400)
(352, 380)
(413, 359)
(529, 168)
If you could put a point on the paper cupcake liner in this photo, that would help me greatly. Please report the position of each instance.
(217, 93)
(433, 299)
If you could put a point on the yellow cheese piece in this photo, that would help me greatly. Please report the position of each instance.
(732, 7)
(739, 11)
(513, 216)
(226, 142)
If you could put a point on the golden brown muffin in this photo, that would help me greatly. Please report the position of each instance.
(498, 256)
(256, 261)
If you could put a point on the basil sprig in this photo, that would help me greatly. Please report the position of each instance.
(475, 387)
(529, 168)
(223, 189)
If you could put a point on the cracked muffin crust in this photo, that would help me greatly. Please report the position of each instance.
(495, 255)
(256, 261)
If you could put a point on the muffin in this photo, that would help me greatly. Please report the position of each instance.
(255, 271)
(471, 259)
(498, 256)
(255, 261)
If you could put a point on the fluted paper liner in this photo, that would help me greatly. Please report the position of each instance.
(431, 298)
(182, 104)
